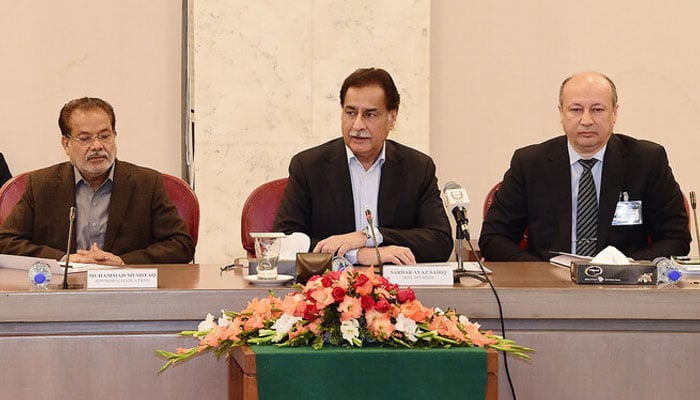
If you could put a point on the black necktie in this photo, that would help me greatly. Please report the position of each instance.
(587, 211)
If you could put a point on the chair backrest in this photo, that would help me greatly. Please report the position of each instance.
(10, 193)
(178, 190)
(259, 210)
(487, 204)
(186, 202)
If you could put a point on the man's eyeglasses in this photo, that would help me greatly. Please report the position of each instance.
(86, 140)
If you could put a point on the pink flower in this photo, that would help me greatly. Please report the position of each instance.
(326, 281)
(380, 325)
(382, 305)
(338, 294)
(367, 302)
(315, 326)
(311, 312)
(323, 297)
(404, 295)
(350, 308)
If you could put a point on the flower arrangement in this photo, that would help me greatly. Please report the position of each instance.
(344, 308)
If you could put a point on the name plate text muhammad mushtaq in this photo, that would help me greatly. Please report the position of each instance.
(122, 278)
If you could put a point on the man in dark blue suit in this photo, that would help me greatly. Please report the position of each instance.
(331, 186)
(640, 206)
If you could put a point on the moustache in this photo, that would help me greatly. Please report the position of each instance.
(363, 134)
(97, 154)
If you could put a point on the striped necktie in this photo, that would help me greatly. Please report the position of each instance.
(587, 211)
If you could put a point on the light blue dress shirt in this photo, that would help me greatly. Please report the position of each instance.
(365, 195)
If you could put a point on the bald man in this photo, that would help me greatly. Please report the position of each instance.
(637, 205)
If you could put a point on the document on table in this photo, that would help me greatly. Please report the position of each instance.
(82, 267)
(25, 262)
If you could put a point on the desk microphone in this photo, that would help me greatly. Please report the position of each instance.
(457, 201)
(370, 223)
(71, 219)
(693, 204)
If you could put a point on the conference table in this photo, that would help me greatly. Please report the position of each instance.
(606, 342)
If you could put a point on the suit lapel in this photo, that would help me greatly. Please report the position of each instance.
(614, 168)
(390, 185)
(557, 176)
(65, 199)
(122, 188)
(340, 186)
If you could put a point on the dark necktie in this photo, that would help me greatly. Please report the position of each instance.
(587, 211)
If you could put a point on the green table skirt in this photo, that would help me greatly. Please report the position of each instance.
(370, 373)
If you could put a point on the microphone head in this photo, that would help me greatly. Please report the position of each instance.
(455, 196)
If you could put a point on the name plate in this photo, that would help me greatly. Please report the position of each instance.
(122, 278)
(417, 275)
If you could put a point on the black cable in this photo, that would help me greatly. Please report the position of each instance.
(500, 316)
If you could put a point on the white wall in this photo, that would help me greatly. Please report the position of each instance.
(267, 75)
(127, 52)
(477, 79)
(496, 68)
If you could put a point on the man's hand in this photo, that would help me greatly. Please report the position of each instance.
(96, 256)
(341, 244)
(398, 255)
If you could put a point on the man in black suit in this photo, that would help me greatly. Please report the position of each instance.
(641, 209)
(331, 186)
(4, 171)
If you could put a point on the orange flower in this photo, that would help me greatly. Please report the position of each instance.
(231, 332)
(298, 329)
(363, 285)
(254, 322)
(477, 337)
(293, 304)
(414, 310)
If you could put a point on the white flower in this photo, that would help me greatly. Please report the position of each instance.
(224, 320)
(439, 311)
(283, 325)
(465, 321)
(208, 323)
(350, 330)
(407, 326)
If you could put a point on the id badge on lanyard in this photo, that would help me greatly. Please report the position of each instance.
(627, 212)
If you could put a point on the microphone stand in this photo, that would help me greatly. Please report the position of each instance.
(71, 219)
(693, 204)
(462, 234)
